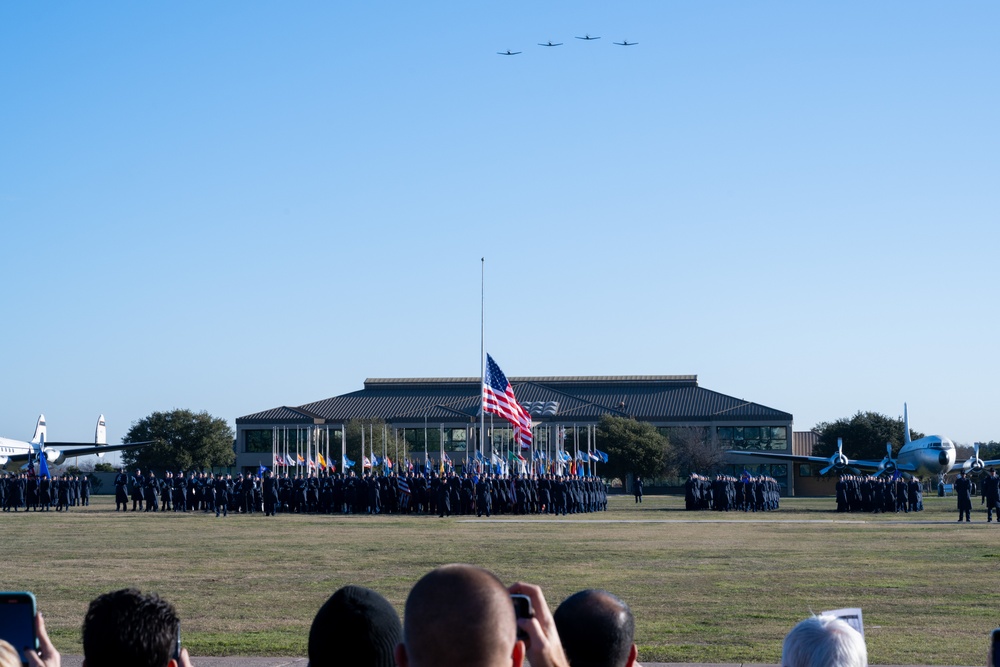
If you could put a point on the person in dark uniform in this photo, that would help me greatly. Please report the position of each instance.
(121, 491)
(637, 489)
(151, 491)
(222, 491)
(483, 501)
(138, 482)
(270, 494)
(991, 495)
(180, 492)
(963, 490)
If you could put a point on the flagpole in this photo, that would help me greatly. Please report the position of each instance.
(482, 354)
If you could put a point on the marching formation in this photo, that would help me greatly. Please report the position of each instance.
(867, 493)
(41, 493)
(337, 493)
(727, 493)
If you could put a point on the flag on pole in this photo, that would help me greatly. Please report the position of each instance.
(322, 461)
(498, 398)
(348, 463)
(279, 460)
(261, 469)
(366, 462)
(288, 460)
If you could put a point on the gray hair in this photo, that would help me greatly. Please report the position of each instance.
(824, 641)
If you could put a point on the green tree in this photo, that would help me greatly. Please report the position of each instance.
(864, 436)
(372, 432)
(104, 466)
(182, 440)
(632, 447)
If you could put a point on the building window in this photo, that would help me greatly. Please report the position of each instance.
(258, 441)
(805, 470)
(757, 438)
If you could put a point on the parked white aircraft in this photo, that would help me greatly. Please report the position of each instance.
(15, 454)
(930, 455)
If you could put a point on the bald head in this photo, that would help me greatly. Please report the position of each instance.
(596, 629)
(458, 615)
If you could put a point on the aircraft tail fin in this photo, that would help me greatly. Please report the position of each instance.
(101, 434)
(906, 427)
(39, 435)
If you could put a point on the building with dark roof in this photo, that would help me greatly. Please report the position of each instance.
(442, 414)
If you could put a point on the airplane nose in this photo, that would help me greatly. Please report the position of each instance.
(943, 458)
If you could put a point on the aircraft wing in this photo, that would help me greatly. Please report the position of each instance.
(73, 449)
(801, 458)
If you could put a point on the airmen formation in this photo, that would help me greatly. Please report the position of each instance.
(867, 493)
(26, 492)
(445, 495)
(726, 493)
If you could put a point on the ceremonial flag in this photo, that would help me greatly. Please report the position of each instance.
(288, 460)
(322, 461)
(312, 464)
(43, 463)
(604, 457)
(409, 465)
(388, 463)
(278, 460)
(301, 460)
(593, 456)
(366, 462)
(404, 486)
(348, 463)
(498, 399)
(261, 470)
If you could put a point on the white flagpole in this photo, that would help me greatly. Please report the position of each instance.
(482, 355)
(343, 446)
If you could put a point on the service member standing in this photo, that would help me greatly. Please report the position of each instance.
(963, 489)
(991, 494)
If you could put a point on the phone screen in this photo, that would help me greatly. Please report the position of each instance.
(17, 622)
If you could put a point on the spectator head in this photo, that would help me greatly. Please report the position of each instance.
(597, 630)
(127, 627)
(8, 655)
(456, 616)
(824, 641)
(356, 626)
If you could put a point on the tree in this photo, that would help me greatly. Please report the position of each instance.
(182, 440)
(633, 447)
(692, 451)
(372, 432)
(864, 436)
(104, 466)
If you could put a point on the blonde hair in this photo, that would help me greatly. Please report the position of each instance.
(8, 655)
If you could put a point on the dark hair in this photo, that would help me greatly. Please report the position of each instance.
(356, 626)
(127, 627)
(596, 629)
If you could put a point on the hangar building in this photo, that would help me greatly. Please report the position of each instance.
(426, 412)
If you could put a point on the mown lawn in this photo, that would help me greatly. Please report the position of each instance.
(725, 588)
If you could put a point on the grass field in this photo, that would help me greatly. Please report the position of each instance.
(724, 588)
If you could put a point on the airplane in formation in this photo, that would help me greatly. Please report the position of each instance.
(16, 454)
(508, 52)
(588, 38)
(932, 455)
(625, 42)
(549, 44)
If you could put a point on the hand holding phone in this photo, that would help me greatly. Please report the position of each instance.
(17, 622)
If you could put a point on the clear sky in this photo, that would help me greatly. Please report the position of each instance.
(230, 206)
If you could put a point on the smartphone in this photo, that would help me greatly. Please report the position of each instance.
(522, 606)
(177, 647)
(995, 648)
(17, 622)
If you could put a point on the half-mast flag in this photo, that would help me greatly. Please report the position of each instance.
(498, 399)
(322, 461)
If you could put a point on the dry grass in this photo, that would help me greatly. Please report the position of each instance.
(702, 592)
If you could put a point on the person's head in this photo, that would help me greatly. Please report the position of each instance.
(596, 629)
(356, 626)
(127, 627)
(824, 641)
(8, 655)
(459, 615)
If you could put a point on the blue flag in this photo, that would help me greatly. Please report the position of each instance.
(43, 463)
(261, 470)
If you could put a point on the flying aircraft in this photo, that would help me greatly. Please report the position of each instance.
(550, 44)
(625, 42)
(15, 453)
(508, 52)
(930, 455)
(588, 38)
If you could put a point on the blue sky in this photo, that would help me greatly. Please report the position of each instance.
(231, 206)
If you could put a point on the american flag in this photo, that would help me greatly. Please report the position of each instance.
(498, 398)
